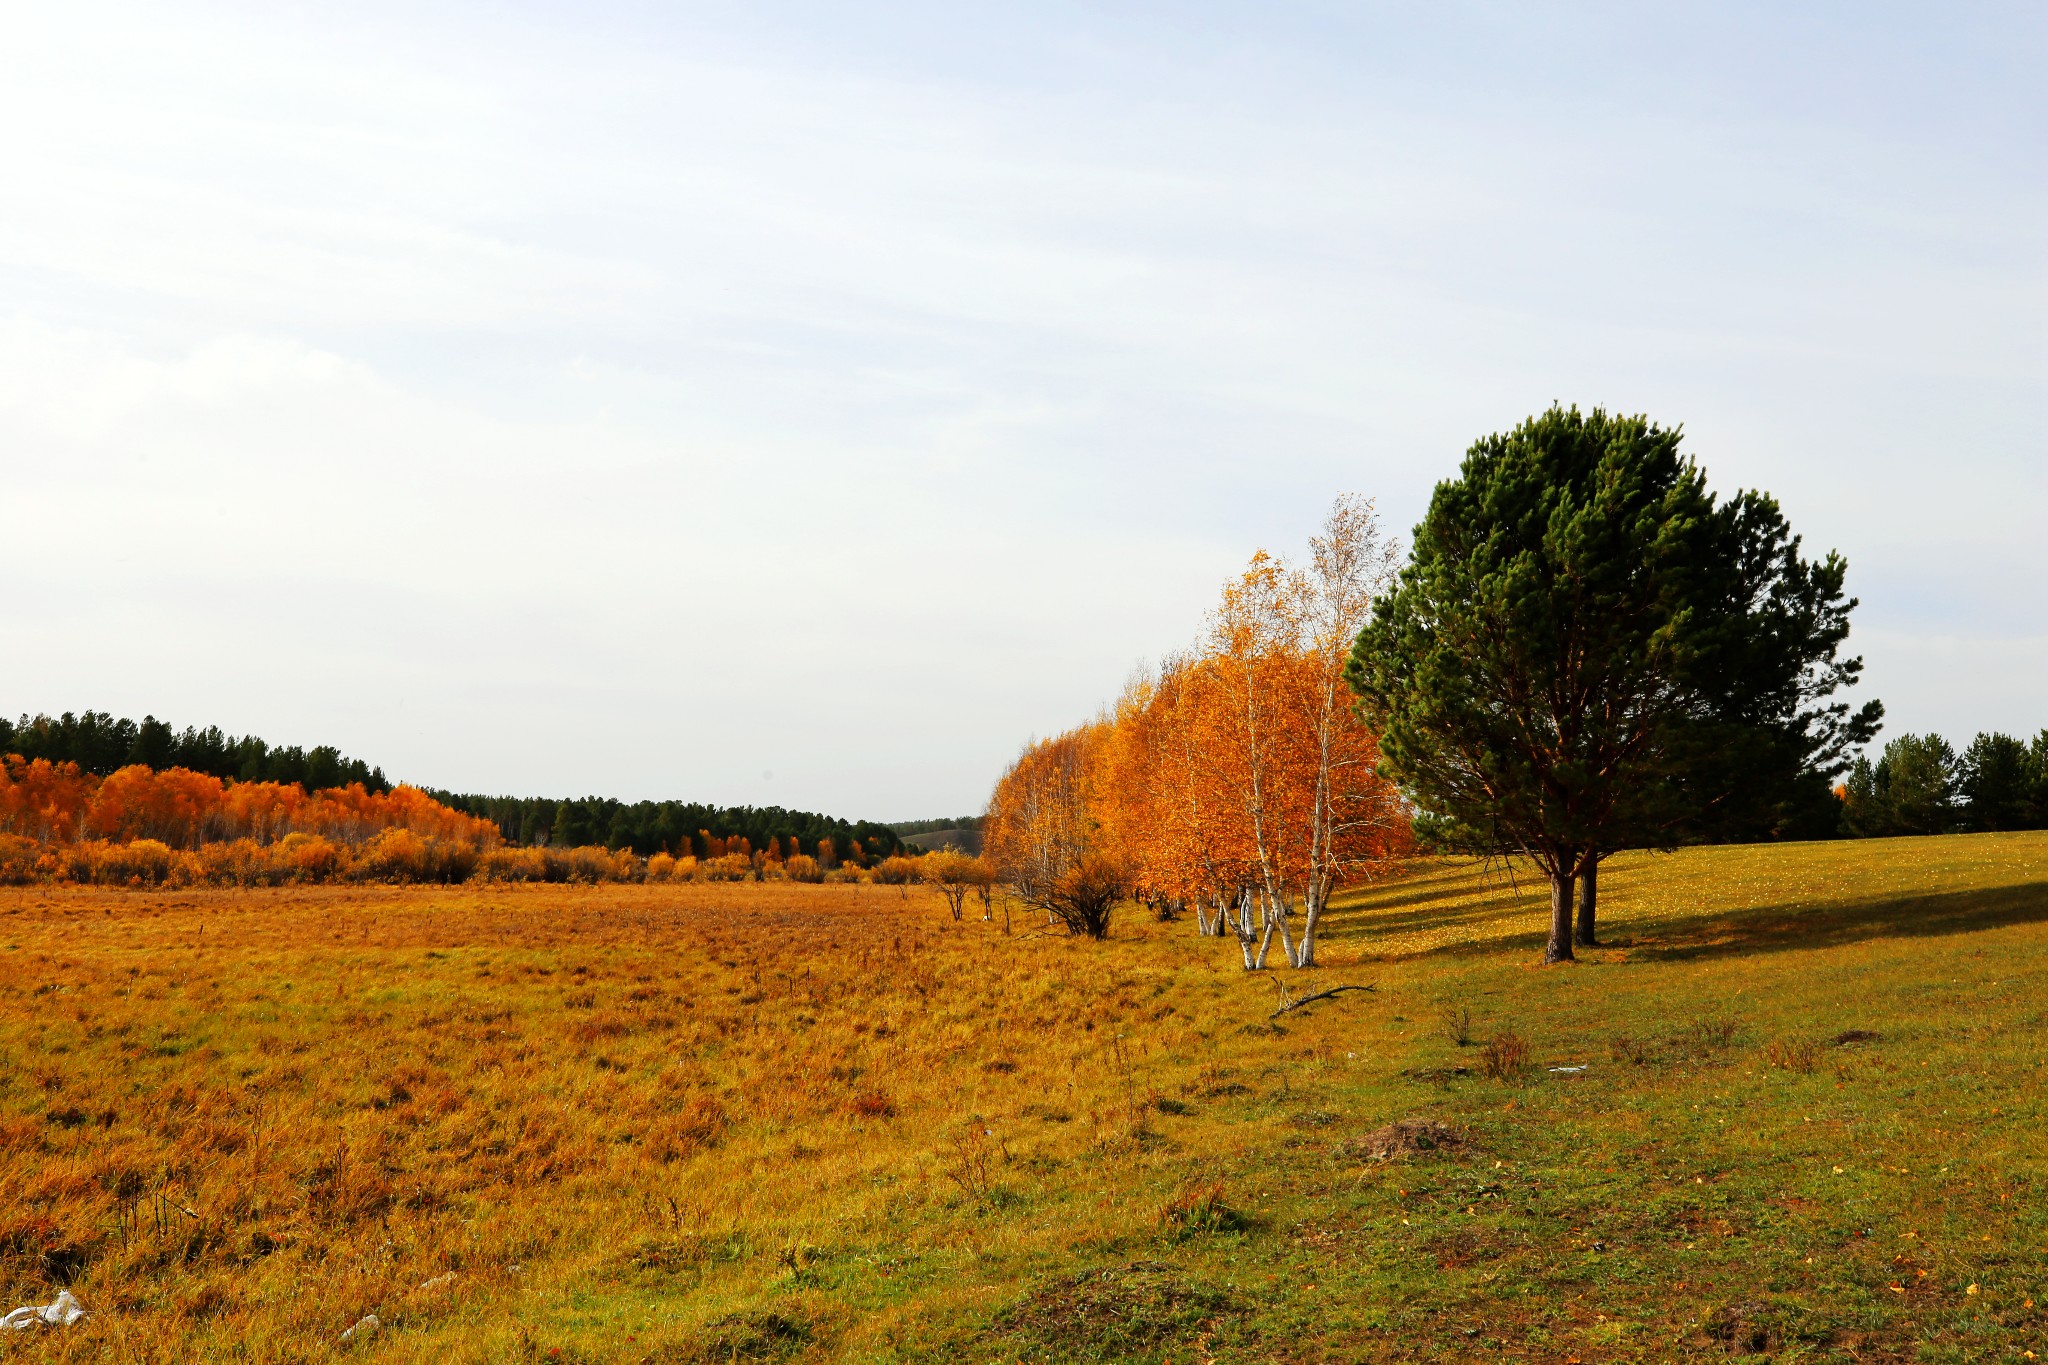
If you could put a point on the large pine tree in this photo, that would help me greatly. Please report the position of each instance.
(1587, 652)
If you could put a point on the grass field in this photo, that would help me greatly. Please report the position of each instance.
(770, 1122)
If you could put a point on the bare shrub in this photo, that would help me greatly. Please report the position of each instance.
(1708, 1035)
(973, 1165)
(1803, 1056)
(1505, 1057)
(1634, 1051)
(1081, 900)
(1455, 1022)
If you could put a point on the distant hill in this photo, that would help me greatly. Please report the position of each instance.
(944, 822)
(966, 838)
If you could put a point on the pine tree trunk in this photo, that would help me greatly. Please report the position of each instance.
(1589, 899)
(1559, 949)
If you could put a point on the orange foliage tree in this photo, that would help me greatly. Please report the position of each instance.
(1045, 835)
(1236, 779)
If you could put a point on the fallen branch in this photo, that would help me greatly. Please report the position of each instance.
(1319, 995)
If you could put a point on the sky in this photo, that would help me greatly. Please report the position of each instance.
(808, 404)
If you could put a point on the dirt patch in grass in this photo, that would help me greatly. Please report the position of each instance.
(1438, 1076)
(1850, 1037)
(1404, 1138)
(1743, 1329)
(750, 1336)
(1456, 1250)
(1112, 1312)
(1226, 1090)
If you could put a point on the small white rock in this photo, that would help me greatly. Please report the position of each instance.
(365, 1325)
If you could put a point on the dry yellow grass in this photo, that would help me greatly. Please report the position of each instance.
(711, 1122)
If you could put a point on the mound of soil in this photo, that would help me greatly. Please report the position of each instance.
(751, 1336)
(1116, 1311)
(1405, 1137)
(1743, 1329)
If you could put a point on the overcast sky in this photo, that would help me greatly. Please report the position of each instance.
(806, 404)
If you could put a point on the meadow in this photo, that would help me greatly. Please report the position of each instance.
(1793, 1110)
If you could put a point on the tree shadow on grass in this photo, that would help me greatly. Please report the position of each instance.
(1775, 928)
(1458, 885)
(1733, 933)
(1479, 899)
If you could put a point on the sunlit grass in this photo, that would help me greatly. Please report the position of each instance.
(763, 1122)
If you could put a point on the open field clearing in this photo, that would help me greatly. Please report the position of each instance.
(741, 1122)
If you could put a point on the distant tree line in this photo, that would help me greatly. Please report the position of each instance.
(1920, 785)
(679, 828)
(99, 744)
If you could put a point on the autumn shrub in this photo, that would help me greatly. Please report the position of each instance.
(391, 855)
(239, 862)
(102, 862)
(18, 857)
(67, 863)
(140, 862)
(728, 867)
(593, 863)
(896, 870)
(513, 865)
(453, 860)
(308, 857)
(803, 868)
(399, 855)
(396, 855)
